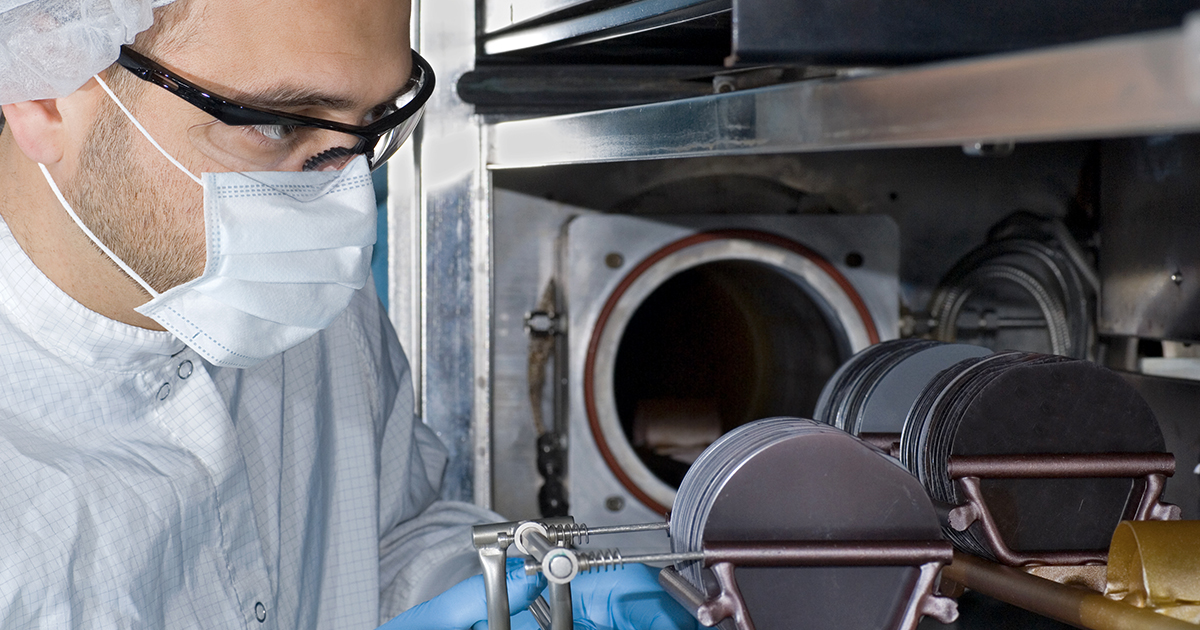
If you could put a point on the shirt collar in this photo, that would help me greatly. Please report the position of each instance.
(68, 329)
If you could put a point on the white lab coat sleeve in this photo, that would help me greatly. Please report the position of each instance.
(425, 544)
(426, 555)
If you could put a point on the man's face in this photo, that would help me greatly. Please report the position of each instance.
(330, 60)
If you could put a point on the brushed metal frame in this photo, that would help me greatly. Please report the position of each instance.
(623, 19)
(440, 275)
(404, 256)
(499, 15)
(1131, 85)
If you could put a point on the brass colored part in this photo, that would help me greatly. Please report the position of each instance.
(1073, 605)
(1091, 577)
(1153, 564)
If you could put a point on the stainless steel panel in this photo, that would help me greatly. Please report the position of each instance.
(526, 232)
(501, 14)
(455, 259)
(624, 19)
(1123, 86)
(449, 330)
(1150, 231)
(405, 227)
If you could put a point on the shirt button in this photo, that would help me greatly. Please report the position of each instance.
(164, 391)
(185, 369)
(260, 612)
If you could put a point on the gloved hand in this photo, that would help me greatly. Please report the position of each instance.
(626, 598)
(465, 604)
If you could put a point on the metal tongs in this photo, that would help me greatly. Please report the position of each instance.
(549, 545)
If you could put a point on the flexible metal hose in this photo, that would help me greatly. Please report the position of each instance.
(956, 296)
(1058, 279)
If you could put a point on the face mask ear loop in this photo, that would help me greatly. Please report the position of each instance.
(104, 248)
(142, 129)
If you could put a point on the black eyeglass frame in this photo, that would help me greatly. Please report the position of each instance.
(231, 112)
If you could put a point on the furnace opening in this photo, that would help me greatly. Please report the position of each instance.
(714, 347)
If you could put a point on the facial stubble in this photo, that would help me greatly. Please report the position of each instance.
(131, 208)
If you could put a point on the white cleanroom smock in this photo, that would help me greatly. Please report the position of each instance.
(143, 488)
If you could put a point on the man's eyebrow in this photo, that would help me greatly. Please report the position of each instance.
(289, 97)
(286, 98)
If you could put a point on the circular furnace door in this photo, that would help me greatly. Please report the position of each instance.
(707, 334)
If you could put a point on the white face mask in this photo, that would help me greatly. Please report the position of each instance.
(286, 252)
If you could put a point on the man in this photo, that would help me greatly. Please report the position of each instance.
(205, 417)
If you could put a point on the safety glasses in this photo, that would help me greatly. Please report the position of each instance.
(244, 138)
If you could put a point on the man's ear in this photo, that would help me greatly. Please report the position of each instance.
(37, 128)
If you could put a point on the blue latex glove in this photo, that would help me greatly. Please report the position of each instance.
(464, 605)
(626, 598)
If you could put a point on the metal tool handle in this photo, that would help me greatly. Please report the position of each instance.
(494, 561)
(561, 612)
(492, 541)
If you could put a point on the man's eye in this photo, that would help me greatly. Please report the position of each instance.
(378, 112)
(275, 132)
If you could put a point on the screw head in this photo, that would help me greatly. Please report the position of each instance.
(614, 260)
(615, 503)
(1177, 277)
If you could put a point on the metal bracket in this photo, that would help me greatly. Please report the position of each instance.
(728, 602)
(967, 471)
(926, 602)
(723, 558)
(1151, 508)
